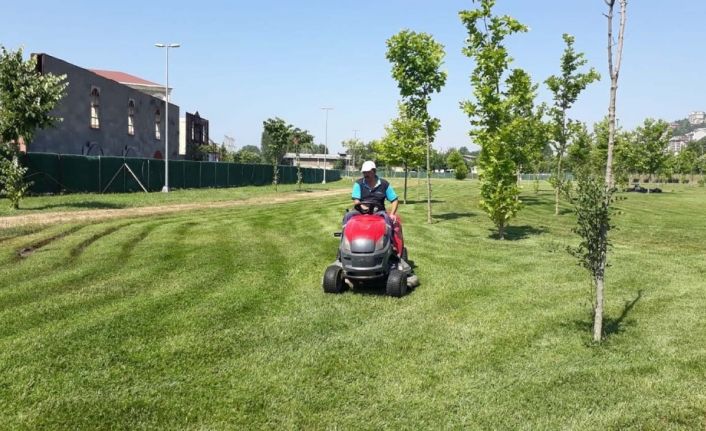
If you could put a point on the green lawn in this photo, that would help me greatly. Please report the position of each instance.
(215, 319)
(92, 201)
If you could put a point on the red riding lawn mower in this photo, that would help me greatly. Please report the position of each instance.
(366, 255)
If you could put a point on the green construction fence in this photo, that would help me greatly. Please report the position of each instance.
(65, 173)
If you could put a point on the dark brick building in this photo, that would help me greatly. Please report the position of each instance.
(107, 113)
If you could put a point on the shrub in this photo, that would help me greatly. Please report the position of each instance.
(12, 178)
(461, 171)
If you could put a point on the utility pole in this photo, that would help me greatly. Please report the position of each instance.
(355, 141)
(166, 47)
(325, 142)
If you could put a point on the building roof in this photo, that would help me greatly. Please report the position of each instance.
(332, 156)
(124, 78)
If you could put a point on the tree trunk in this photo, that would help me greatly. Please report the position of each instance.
(536, 180)
(501, 231)
(559, 182)
(406, 173)
(611, 135)
(299, 174)
(428, 176)
(274, 175)
(419, 181)
(614, 71)
(598, 310)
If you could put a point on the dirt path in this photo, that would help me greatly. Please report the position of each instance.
(89, 215)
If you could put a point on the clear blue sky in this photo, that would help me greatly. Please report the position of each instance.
(244, 61)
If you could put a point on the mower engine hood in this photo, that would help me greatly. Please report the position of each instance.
(364, 231)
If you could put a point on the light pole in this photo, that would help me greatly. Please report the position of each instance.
(166, 47)
(326, 143)
(355, 143)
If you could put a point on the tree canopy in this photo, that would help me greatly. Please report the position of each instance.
(26, 97)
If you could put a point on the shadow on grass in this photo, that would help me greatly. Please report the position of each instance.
(453, 216)
(422, 201)
(547, 200)
(377, 287)
(515, 233)
(615, 326)
(611, 326)
(85, 205)
(371, 288)
(534, 200)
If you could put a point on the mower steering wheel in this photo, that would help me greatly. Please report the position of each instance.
(372, 208)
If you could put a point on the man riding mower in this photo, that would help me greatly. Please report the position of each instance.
(372, 245)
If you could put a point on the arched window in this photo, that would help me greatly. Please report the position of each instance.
(131, 117)
(95, 109)
(157, 124)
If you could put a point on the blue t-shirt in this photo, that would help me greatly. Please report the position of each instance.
(390, 194)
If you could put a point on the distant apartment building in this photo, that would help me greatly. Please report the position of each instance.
(193, 134)
(697, 134)
(678, 143)
(107, 113)
(320, 161)
(697, 117)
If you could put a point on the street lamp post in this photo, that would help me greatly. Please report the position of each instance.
(166, 47)
(325, 143)
(355, 143)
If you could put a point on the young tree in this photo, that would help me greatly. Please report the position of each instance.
(12, 177)
(404, 143)
(416, 62)
(525, 133)
(566, 89)
(456, 162)
(297, 139)
(625, 160)
(357, 150)
(685, 163)
(26, 98)
(651, 141)
(275, 139)
(578, 153)
(594, 199)
(593, 211)
(249, 154)
(438, 160)
(490, 112)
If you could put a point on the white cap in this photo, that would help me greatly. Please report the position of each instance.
(368, 166)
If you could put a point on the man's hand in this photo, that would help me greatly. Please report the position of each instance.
(393, 217)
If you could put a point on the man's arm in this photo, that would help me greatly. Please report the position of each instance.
(392, 197)
(393, 209)
(356, 194)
